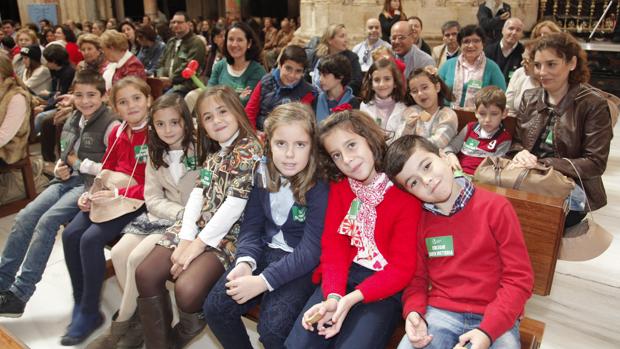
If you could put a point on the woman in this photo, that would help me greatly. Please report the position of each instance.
(25, 37)
(522, 79)
(65, 37)
(333, 41)
(543, 28)
(129, 30)
(14, 115)
(563, 119)
(392, 13)
(216, 48)
(90, 46)
(151, 48)
(36, 77)
(122, 62)
(471, 70)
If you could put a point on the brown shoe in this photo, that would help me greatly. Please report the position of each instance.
(111, 338)
(134, 337)
(188, 327)
(156, 317)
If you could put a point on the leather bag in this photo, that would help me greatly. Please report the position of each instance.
(107, 209)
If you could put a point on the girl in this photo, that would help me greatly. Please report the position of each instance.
(129, 30)
(367, 257)
(426, 117)
(198, 249)
(14, 114)
(279, 241)
(36, 77)
(383, 94)
(83, 240)
(170, 176)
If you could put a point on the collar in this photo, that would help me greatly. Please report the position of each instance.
(230, 141)
(124, 59)
(502, 46)
(478, 130)
(467, 191)
(565, 103)
(276, 75)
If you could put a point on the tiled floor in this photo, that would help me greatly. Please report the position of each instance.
(583, 310)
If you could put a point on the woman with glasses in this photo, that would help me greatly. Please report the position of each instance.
(522, 79)
(471, 70)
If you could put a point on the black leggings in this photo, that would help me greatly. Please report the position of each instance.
(574, 218)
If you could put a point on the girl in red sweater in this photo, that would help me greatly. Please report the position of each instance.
(367, 257)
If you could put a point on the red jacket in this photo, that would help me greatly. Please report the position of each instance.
(121, 157)
(395, 231)
(490, 272)
(133, 67)
(75, 56)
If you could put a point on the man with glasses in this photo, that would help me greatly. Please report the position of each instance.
(402, 44)
(364, 49)
(507, 52)
(450, 47)
(180, 49)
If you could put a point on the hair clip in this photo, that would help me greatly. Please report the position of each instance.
(430, 69)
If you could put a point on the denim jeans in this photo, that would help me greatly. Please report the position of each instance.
(33, 234)
(446, 327)
(38, 120)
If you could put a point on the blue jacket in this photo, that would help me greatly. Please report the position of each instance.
(258, 229)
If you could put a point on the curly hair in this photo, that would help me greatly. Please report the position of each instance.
(566, 47)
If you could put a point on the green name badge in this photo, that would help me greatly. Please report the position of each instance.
(471, 143)
(63, 145)
(475, 84)
(140, 153)
(190, 162)
(549, 139)
(205, 177)
(299, 213)
(355, 207)
(440, 246)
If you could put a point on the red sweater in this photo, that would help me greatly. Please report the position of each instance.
(75, 55)
(490, 272)
(397, 218)
(122, 158)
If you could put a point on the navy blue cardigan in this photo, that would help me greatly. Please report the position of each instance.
(258, 229)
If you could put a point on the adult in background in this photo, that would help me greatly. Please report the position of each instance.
(180, 49)
(94, 59)
(392, 13)
(492, 15)
(416, 27)
(66, 37)
(25, 37)
(334, 41)
(284, 37)
(507, 52)
(373, 41)
(14, 115)
(565, 118)
(216, 48)
(151, 48)
(543, 28)
(129, 30)
(122, 62)
(402, 43)
(522, 80)
(450, 47)
(471, 70)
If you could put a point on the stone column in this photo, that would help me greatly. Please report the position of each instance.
(150, 9)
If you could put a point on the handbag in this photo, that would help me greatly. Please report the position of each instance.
(541, 179)
(586, 240)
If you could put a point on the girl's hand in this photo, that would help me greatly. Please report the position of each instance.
(344, 305)
(524, 159)
(246, 92)
(195, 249)
(179, 250)
(326, 308)
(241, 269)
(453, 161)
(416, 330)
(245, 288)
(84, 202)
(102, 195)
(477, 338)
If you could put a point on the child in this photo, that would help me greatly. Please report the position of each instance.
(367, 257)
(14, 114)
(470, 251)
(84, 240)
(335, 74)
(427, 117)
(283, 85)
(36, 76)
(279, 240)
(170, 176)
(84, 138)
(198, 249)
(383, 94)
(487, 137)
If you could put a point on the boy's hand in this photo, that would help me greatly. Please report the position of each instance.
(416, 330)
(84, 202)
(244, 288)
(344, 305)
(61, 115)
(477, 338)
(241, 269)
(62, 171)
(326, 309)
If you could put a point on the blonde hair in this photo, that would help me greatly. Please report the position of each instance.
(289, 113)
(89, 39)
(30, 33)
(8, 73)
(551, 25)
(134, 81)
(322, 48)
(114, 40)
(381, 52)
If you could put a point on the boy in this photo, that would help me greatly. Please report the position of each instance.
(83, 143)
(335, 95)
(282, 85)
(487, 137)
(470, 251)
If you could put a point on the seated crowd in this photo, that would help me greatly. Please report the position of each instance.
(332, 186)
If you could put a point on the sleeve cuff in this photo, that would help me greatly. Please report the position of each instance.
(486, 334)
(247, 259)
(266, 282)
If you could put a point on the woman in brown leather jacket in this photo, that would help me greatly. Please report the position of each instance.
(565, 118)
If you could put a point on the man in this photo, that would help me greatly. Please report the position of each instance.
(402, 44)
(450, 47)
(364, 49)
(416, 27)
(507, 52)
(8, 27)
(281, 40)
(180, 49)
(492, 14)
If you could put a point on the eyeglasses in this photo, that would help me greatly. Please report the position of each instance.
(471, 42)
(399, 37)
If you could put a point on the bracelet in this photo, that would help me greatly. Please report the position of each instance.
(334, 296)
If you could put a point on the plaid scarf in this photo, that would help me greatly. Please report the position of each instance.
(461, 201)
(459, 79)
(359, 223)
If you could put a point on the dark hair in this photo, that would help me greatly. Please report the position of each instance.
(45, 20)
(491, 95)
(32, 26)
(8, 42)
(444, 91)
(401, 150)
(294, 53)
(147, 32)
(90, 77)
(44, 36)
(471, 29)
(215, 31)
(56, 54)
(66, 30)
(253, 52)
(182, 13)
(566, 47)
(360, 123)
(338, 65)
(156, 146)
(398, 93)
(450, 24)
(8, 21)
(417, 19)
(129, 23)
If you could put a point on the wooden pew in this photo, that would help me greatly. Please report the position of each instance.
(25, 166)
(8, 341)
(157, 86)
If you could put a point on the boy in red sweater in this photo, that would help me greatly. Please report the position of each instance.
(470, 251)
